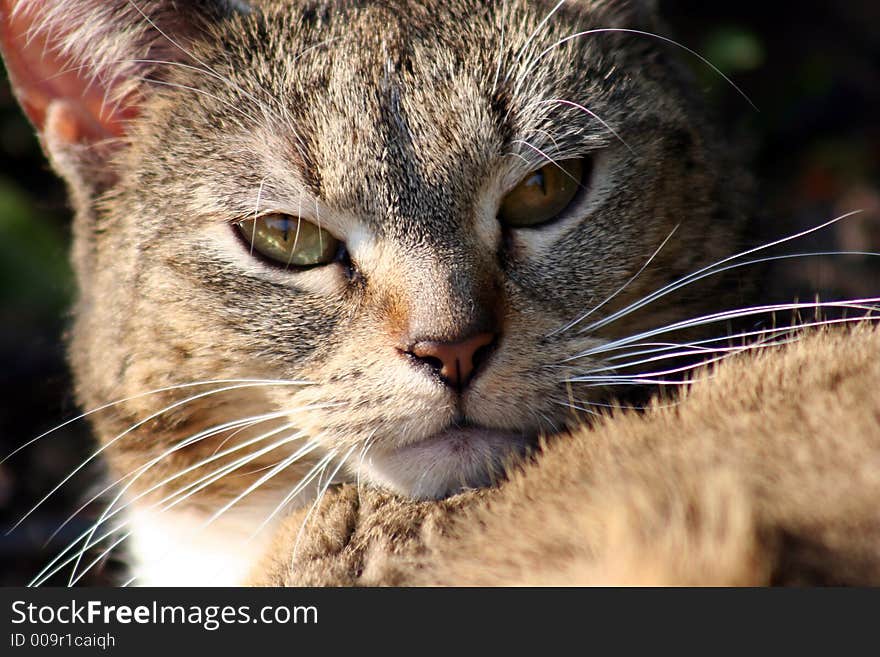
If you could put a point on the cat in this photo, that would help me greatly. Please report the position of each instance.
(385, 242)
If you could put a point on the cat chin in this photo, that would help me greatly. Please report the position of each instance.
(449, 462)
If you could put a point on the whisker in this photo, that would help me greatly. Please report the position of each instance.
(651, 375)
(602, 30)
(619, 290)
(368, 443)
(309, 447)
(72, 582)
(197, 485)
(550, 423)
(247, 423)
(623, 381)
(711, 270)
(296, 490)
(576, 407)
(724, 353)
(569, 403)
(738, 265)
(207, 479)
(852, 304)
(169, 501)
(520, 156)
(146, 394)
(679, 354)
(317, 501)
(500, 48)
(659, 347)
(549, 159)
(135, 426)
(212, 477)
(598, 118)
(48, 572)
(547, 137)
(532, 36)
(696, 348)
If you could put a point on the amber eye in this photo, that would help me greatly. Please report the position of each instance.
(290, 241)
(543, 195)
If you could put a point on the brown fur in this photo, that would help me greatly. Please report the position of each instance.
(766, 472)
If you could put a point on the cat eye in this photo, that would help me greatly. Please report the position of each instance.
(544, 194)
(290, 241)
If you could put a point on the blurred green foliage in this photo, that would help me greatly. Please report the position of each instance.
(733, 49)
(35, 276)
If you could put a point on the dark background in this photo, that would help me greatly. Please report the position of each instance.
(811, 67)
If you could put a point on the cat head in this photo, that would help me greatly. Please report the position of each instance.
(393, 228)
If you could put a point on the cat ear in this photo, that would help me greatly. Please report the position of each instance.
(78, 66)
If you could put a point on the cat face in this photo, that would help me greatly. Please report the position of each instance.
(375, 226)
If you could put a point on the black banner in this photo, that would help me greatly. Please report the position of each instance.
(240, 621)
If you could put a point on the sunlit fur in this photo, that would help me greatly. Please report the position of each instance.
(398, 127)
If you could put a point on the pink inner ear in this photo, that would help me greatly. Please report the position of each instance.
(43, 81)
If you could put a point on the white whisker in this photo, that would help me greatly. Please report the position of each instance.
(500, 48)
(368, 443)
(246, 423)
(176, 497)
(593, 115)
(308, 448)
(199, 484)
(147, 394)
(769, 337)
(866, 304)
(104, 447)
(603, 30)
(776, 340)
(133, 427)
(317, 501)
(532, 36)
(549, 159)
(620, 289)
(48, 572)
(709, 270)
(296, 490)
(576, 407)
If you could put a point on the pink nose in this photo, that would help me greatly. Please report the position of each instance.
(455, 362)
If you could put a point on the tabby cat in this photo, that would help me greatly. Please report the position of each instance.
(392, 243)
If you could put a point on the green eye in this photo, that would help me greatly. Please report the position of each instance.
(290, 241)
(543, 194)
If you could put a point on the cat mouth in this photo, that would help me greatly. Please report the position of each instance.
(463, 456)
